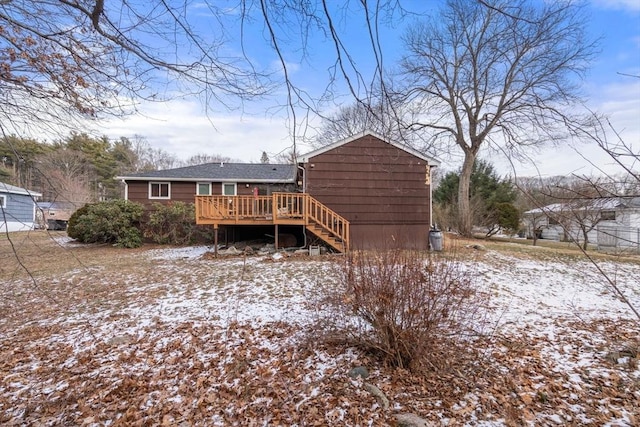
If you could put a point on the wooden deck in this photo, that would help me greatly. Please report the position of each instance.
(277, 209)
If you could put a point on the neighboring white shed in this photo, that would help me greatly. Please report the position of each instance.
(608, 221)
(17, 208)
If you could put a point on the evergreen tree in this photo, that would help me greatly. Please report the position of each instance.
(485, 183)
(264, 158)
(489, 195)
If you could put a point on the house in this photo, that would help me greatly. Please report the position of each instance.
(228, 180)
(381, 187)
(360, 192)
(605, 221)
(54, 215)
(17, 208)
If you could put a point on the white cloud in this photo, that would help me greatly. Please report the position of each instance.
(633, 5)
(181, 128)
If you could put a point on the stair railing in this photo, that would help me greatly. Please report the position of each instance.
(329, 220)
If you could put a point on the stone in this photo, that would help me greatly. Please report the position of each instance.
(411, 420)
(359, 371)
(230, 251)
(120, 340)
(477, 247)
(378, 394)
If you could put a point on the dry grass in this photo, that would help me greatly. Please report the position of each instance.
(42, 277)
(41, 254)
(544, 249)
(98, 337)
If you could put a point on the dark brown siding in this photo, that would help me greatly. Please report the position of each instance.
(379, 188)
(138, 191)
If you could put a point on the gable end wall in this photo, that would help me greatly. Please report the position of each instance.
(379, 188)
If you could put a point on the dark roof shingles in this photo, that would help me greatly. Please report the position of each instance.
(226, 171)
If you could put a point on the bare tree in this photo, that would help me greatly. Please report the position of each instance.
(287, 157)
(496, 73)
(202, 158)
(356, 118)
(580, 217)
(64, 62)
(157, 159)
(347, 121)
(614, 146)
(66, 176)
(69, 59)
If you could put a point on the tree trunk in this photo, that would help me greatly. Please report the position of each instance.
(585, 244)
(464, 208)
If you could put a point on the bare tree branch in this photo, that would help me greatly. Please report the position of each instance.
(496, 73)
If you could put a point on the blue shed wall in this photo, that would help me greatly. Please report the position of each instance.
(19, 208)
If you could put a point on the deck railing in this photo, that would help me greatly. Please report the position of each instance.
(279, 208)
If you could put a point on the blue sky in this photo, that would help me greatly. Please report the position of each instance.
(181, 127)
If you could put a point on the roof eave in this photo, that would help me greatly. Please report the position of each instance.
(431, 161)
(22, 193)
(205, 179)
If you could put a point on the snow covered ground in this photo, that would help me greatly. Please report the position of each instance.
(175, 337)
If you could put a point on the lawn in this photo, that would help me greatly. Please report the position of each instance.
(95, 335)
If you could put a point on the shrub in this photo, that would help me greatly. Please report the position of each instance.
(114, 221)
(174, 224)
(72, 224)
(403, 305)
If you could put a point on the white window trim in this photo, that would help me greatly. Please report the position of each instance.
(159, 183)
(198, 184)
(3, 201)
(235, 188)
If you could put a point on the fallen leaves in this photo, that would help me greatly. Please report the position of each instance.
(175, 343)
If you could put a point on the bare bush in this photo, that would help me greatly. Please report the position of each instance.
(403, 305)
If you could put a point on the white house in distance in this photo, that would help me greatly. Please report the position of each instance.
(606, 222)
(17, 208)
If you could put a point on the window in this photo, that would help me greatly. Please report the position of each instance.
(203, 189)
(229, 189)
(608, 215)
(159, 190)
(3, 201)
(553, 221)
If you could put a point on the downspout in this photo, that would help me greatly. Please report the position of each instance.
(304, 190)
(126, 190)
(431, 196)
(304, 180)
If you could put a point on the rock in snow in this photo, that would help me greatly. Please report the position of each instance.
(411, 420)
(359, 371)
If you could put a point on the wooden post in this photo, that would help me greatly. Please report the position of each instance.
(276, 237)
(215, 240)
